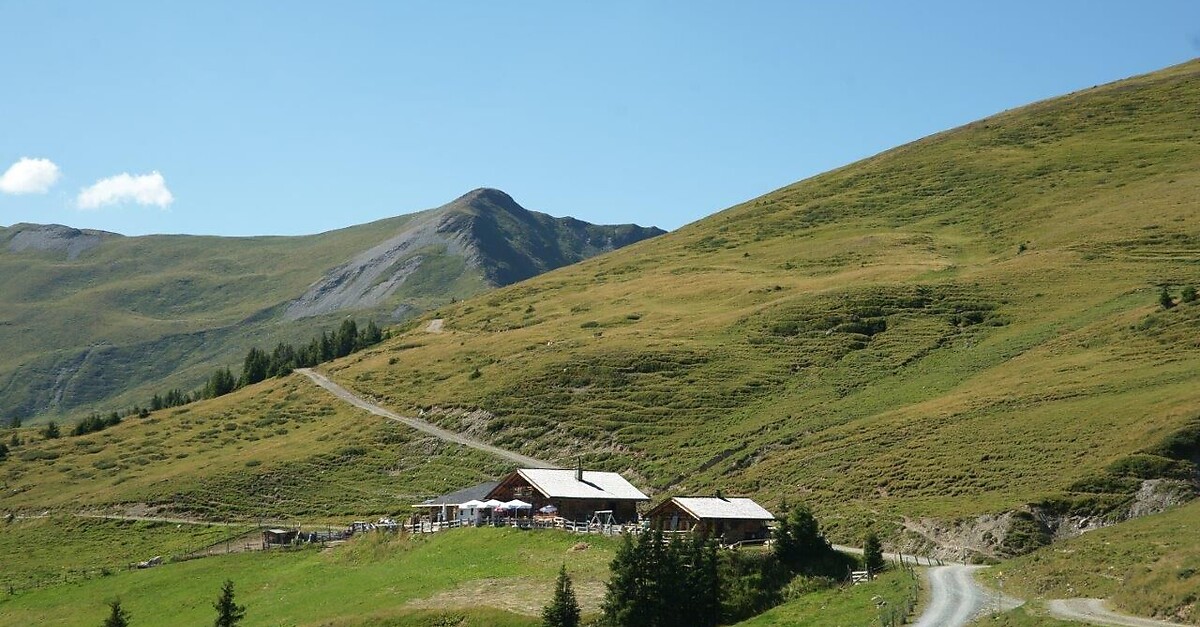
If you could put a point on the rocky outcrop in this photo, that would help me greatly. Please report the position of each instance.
(999, 536)
(53, 238)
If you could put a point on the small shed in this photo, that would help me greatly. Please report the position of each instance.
(574, 494)
(279, 536)
(732, 519)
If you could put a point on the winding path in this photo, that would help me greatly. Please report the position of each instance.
(420, 425)
(956, 598)
(1095, 611)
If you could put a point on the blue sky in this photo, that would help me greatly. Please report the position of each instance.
(240, 118)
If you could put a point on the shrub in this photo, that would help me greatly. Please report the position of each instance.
(1164, 298)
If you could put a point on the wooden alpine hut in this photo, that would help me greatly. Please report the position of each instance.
(732, 519)
(577, 494)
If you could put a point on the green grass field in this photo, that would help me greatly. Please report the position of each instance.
(496, 576)
(850, 606)
(49, 551)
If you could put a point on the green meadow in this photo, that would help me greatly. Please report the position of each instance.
(484, 576)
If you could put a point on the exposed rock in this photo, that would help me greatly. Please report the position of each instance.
(497, 238)
(54, 238)
(1016, 532)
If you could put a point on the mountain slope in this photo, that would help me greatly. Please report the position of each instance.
(91, 318)
(957, 327)
(964, 326)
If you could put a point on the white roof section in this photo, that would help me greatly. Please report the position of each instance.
(561, 483)
(723, 507)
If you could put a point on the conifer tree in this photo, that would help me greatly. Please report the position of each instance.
(799, 544)
(371, 335)
(346, 338)
(51, 431)
(254, 367)
(220, 383)
(873, 554)
(229, 613)
(563, 610)
(3, 451)
(117, 617)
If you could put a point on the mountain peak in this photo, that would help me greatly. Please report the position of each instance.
(485, 195)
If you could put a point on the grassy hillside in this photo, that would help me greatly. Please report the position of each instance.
(1149, 566)
(958, 326)
(281, 450)
(961, 326)
(94, 320)
(468, 577)
(67, 549)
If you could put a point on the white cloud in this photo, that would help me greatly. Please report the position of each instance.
(143, 189)
(29, 176)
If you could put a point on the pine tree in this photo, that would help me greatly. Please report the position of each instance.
(346, 338)
(118, 616)
(624, 587)
(370, 336)
(254, 367)
(220, 383)
(3, 451)
(14, 422)
(873, 554)
(229, 613)
(799, 544)
(51, 431)
(283, 360)
(328, 350)
(563, 610)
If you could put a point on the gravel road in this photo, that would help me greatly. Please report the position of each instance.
(421, 425)
(1095, 612)
(957, 599)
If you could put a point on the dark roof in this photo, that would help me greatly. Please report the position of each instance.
(476, 492)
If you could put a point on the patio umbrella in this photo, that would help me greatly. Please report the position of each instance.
(492, 504)
(549, 509)
(517, 504)
(471, 504)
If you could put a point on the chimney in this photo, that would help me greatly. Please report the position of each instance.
(579, 469)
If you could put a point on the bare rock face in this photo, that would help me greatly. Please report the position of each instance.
(496, 239)
(54, 238)
(374, 275)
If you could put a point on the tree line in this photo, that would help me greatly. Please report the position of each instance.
(258, 366)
